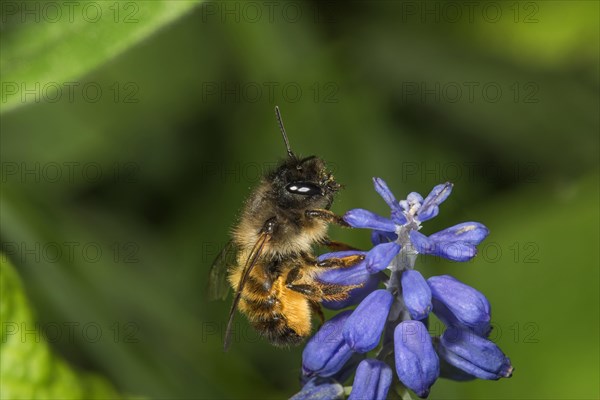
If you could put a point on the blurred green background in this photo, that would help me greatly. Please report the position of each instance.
(132, 131)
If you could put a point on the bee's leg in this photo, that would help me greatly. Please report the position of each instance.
(319, 291)
(340, 262)
(323, 291)
(327, 216)
(331, 292)
(292, 276)
(316, 308)
(311, 291)
(334, 262)
(337, 246)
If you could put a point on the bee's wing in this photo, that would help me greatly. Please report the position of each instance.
(250, 263)
(218, 287)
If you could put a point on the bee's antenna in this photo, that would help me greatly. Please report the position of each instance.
(285, 138)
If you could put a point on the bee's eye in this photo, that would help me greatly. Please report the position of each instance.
(304, 188)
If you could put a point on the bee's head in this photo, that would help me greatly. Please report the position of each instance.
(302, 182)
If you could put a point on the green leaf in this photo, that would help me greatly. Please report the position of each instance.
(28, 367)
(47, 45)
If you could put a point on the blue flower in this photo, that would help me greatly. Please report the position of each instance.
(327, 351)
(320, 389)
(395, 317)
(458, 243)
(417, 363)
(373, 380)
(459, 305)
(381, 256)
(363, 328)
(473, 354)
(416, 294)
(349, 332)
(359, 218)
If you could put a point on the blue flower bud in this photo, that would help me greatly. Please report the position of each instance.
(468, 232)
(362, 330)
(397, 213)
(327, 351)
(449, 371)
(429, 208)
(372, 381)
(473, 354)
(455, 251)
(384, 191)
(320, 389)
(360, 218)
(417, 363)
(416, 294)
(457, 304)
(380, 256)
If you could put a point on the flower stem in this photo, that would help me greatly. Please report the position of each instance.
(405, 260)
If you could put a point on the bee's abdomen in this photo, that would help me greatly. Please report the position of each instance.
(266, 317)
(261, 307)
(281, 315)
(285, 336)
(276, 330)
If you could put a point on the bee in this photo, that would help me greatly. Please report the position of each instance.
(269, 261)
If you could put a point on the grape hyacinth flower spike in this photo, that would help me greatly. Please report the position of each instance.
(393, 319)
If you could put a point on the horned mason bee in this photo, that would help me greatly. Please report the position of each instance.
(269, 261)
